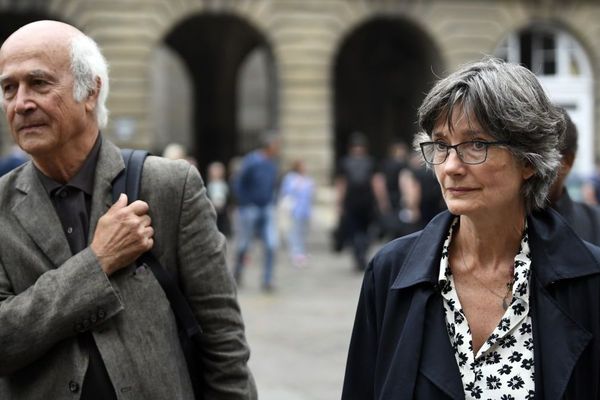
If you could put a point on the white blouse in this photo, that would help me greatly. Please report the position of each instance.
(503, 368)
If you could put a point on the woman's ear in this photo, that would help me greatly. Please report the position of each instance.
(528, 171)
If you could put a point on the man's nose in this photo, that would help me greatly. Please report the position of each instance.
(23, 101)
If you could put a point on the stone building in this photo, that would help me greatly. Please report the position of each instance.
(213, 74)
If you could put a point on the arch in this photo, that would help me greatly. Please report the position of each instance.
(214, 50)
(382, 71)
(565, 71)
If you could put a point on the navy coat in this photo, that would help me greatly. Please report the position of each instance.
(400, 347)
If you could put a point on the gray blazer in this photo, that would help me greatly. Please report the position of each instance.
(48, 295)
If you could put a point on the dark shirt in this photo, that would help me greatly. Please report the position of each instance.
(72, 202)
(357, 171)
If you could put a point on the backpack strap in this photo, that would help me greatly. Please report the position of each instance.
(129, 182)
(130, 179)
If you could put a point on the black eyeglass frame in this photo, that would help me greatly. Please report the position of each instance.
(458, 153)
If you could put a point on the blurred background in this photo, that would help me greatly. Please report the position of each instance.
(213, 75)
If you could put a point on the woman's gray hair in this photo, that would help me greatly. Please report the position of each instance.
(509, 103)
(88, 64)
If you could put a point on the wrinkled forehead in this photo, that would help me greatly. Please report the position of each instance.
(20, 54)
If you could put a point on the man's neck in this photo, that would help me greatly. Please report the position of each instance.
(63, 165)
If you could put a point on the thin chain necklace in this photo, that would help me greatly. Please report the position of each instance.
(509, 285)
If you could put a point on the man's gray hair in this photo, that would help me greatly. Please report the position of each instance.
(88, 64)
(509, 103)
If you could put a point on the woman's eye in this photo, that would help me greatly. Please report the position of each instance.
(440, 146)
(479, 146)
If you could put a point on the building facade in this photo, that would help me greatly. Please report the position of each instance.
(214, 74)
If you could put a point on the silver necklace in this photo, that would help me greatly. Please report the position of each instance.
(506, 299)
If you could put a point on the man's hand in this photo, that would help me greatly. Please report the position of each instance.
(122, 235)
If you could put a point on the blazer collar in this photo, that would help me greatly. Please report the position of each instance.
(43, 225)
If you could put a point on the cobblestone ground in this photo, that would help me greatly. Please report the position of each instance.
(299, 334)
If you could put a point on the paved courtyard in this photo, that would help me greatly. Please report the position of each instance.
(299, 334)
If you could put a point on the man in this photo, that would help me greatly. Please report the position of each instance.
(77, 319)
(254, 186)
(355, 199)
(583, 218)
(387, 190)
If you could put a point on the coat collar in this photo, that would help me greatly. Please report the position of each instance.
(557, 254)
(43, 225)
(549, 235)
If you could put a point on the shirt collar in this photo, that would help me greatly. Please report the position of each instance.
(83, 179)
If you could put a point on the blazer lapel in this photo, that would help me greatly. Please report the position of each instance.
(36, 215)
(110, 163)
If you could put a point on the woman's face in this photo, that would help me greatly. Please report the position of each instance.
(491, 187)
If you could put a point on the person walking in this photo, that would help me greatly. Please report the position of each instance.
(255, 186)
(583, 218)
(78, 317)
(296, 194)
(355, 199)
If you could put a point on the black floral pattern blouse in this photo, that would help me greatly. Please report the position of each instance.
(503, 367)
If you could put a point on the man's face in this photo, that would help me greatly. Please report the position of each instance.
(37, 96)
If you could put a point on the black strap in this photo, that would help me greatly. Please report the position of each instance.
(129, 182)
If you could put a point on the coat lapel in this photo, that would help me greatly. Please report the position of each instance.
(426, 318)
(438, 361)
(36, 215)
(559, 339)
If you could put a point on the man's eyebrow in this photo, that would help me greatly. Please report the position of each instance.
(38, 73)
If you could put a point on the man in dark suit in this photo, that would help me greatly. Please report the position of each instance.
(77, 317)
(582, 217)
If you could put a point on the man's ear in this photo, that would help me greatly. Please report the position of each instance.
(92, 98)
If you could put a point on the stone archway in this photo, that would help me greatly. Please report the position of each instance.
(382, 72)
(215, 50)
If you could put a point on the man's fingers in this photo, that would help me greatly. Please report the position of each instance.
(121, 201)
(139, 207)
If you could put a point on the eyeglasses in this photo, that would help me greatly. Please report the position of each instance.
(471, 152)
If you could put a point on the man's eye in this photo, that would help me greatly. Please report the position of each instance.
(8, 89)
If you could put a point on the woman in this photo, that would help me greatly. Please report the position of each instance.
(496, 298)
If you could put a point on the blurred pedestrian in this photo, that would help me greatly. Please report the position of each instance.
(255, 187)
(79, 317)
(296, 194)
(387, 189)
(583, 218)
(217, 189)
(355, 199)
(422, 198)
